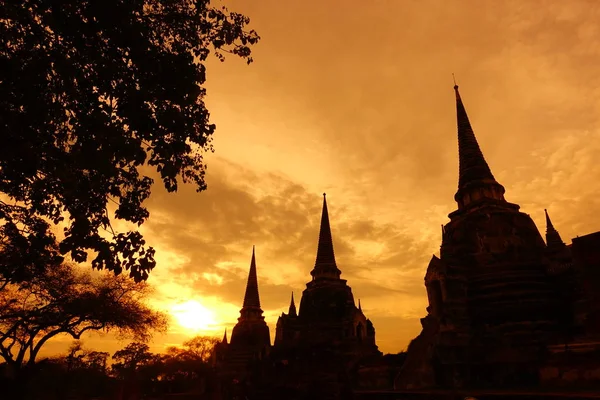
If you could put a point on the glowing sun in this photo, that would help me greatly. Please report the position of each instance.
(193, 315)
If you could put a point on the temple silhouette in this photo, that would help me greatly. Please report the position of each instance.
(502, 302)
(328, 333)
(328, 315)
(250, 339)
(505, 306)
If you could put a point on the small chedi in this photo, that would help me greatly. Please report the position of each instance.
(250, 340)
(499, 297)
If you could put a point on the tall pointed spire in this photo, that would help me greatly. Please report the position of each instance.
(292, 311)
(251, 328)
(472, 164)
(475, 179)
(251, 298)
(224, 341)
(359, 306)
(325, 266)
(553, 238)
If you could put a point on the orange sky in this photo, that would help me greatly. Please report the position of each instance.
(355, 99)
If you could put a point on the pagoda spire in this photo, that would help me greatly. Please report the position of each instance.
(224, 341)
(475, 179)
(325, 266)
(553, 238)
(251, 328)
(251, 298)
(292, 311)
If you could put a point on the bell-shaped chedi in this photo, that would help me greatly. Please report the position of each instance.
(328, 317)
(250, 338)
(492, 304)
(496, 248)
(251, 329)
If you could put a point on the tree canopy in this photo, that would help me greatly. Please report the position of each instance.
(94, 95)
(199, 348)
(65, 300)
(85, 373)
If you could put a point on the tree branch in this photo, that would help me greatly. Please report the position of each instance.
(35, 350)
(7, 354)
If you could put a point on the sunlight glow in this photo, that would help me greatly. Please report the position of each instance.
(193, 316)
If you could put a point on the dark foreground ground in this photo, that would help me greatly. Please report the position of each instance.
(479, 395)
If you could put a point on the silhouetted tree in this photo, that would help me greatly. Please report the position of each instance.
(81, 373)
(184, 368)
(199, 348)
(79, 357)
(179, 370)
(93, 91)
(132, 358)
(65, 300)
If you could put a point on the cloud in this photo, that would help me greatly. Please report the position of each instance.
(358, 102)
(561, 176)
(211, 236)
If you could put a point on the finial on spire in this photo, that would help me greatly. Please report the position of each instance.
(457, 94)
